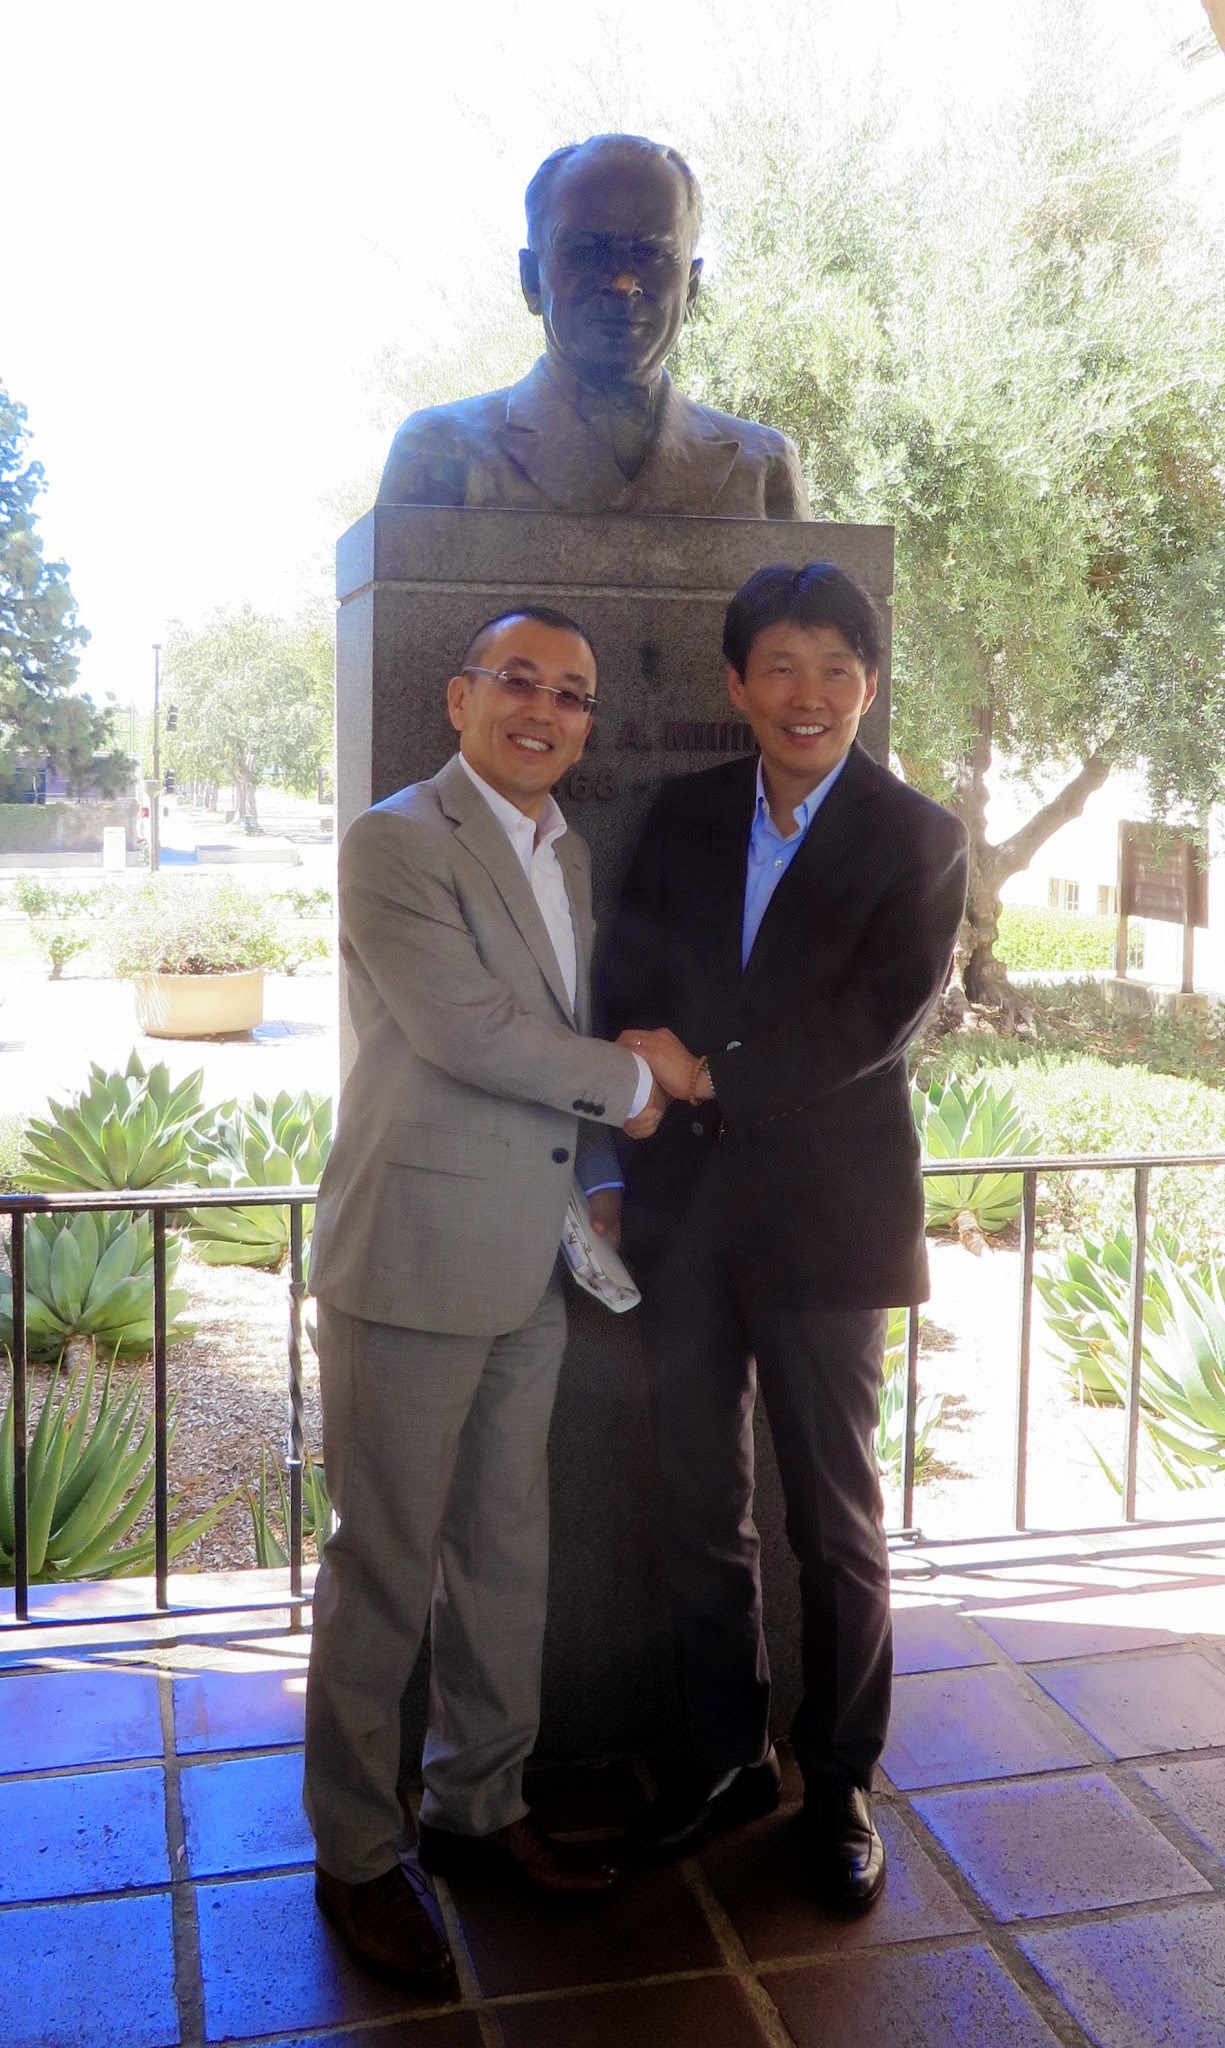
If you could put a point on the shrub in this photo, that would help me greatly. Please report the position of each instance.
(974, 1120)
(88, 1484)
(1084, 1105)
(173, 926)
(1054, 941)
(12, 1131)
(60, 946)
(91, 1275)
(124, 1130)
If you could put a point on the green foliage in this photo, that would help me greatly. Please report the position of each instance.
(1182, 1360)
(91, 1275)
(1086, 1106)
(172, 926)
(890, 1440)
(42, 723)
(90, 1480)
(262, 1144)
(12, 1134)
(124, 1130)
(959, 1120)
(305, 902)
(36, 898)
(1072, 1020)
(60, 946)
(254, 697)
(1054, 941)
(271, 1540)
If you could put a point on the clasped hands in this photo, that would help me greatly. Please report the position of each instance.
(673, 1069)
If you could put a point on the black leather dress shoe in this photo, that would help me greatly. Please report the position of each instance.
(700, 1805)
(842, 1845)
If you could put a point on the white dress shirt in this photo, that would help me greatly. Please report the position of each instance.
(534, 841)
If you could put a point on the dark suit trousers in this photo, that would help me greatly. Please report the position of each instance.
(819, 1371)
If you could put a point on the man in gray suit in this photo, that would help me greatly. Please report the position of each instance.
(597, 426)
(466, 930)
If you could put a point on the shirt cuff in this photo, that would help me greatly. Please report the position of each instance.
(645, 1084)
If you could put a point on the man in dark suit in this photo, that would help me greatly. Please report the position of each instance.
(785, 926)
(596, 425)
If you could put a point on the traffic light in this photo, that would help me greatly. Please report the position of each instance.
(172, 718)
(168, 782)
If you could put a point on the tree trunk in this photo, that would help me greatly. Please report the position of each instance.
(982, 978)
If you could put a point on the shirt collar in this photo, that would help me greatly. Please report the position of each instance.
(805, 812)
(514, 822)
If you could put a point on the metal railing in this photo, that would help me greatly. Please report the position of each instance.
(162, 1203)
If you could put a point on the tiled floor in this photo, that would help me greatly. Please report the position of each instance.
(1053, 1798)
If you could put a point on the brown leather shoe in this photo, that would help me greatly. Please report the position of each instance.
(520, 1858)
(386, 1929)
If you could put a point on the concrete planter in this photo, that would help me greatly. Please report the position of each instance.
(199, 1005)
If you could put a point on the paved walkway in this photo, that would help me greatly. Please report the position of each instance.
(1053, 1800)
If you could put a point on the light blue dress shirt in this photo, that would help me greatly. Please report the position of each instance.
(770, 855)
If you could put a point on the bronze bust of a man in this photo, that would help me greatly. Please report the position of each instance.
(597, 425)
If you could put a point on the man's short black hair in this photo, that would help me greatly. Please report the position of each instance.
(816, 595)
(542, 614)
(539, 193)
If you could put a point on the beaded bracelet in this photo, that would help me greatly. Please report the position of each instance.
(700, 1067)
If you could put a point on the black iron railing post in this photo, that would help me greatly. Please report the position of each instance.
(910, 1415)
(1029, 1211)
(297, 1422)
(1135, 1344)
(161, 1440)
(21, 1491)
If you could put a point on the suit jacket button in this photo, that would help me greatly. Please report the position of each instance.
(580, 1104)
(560, 1154)
(596, 1108)
(733, 1044)
(698, 1129)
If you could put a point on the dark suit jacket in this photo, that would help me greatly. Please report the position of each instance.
(528, 449)
(808, 1165)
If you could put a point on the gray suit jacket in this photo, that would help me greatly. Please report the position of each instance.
(441, 1205)
(527, 449)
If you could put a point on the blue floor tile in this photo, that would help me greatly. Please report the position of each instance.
(1154, 1980)
(54, 1719)
(105, 1832)
(99, 1975)
(239, 1709)
(953, 1727)
(245, 1814)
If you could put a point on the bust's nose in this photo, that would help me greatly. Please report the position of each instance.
(626, 282)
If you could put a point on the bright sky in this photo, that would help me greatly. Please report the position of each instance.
(220, 215)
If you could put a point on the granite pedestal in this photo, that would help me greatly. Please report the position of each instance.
(414, 583)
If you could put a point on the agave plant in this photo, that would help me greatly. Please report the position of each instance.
(124, 1130)
(89, 1481)
(1182, 1351)
(974, 1120)
(1088, 1306)
(890, 1442)
(271, 1545)
(91, 1275)
(262, 1144)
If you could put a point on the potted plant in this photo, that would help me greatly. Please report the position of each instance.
(196, 952)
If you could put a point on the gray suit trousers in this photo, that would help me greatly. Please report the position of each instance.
(435, 1451)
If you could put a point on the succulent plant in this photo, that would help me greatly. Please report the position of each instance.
(890, 1441)
(971, 1120)
(124, 1130)
(1087, 1299)
(91, 1275)
(262, 1144)
(89, 1481)
(271, 1543)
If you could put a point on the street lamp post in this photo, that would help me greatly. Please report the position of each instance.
(155, 787)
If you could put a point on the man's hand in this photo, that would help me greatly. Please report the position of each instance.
(648, 1120)
(671, 1062)
(605, 1207)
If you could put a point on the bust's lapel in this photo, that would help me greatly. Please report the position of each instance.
(478, 830)
(690, 462)
(556, 450)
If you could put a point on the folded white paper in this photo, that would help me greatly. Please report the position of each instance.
(592, 1259)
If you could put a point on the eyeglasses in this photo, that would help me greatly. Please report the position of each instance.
(570, 703)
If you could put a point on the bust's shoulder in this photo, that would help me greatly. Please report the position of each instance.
(754, 439)
(455, 426)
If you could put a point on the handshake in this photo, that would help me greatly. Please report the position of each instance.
(677, 1073)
